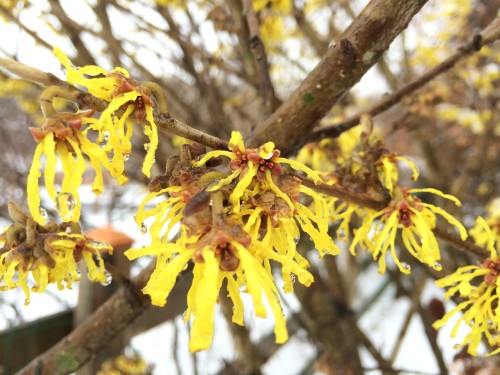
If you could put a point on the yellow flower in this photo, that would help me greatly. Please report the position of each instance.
(49, 257)
(483, 236)
(481, 308)
(125, 96)
(125, 364)
(60, 138)
(266, 192)
(169, 210)
(224, 253)
(415, 218)
(342, 213)
(388, 171)
(284, 6)
(224, 244)
(173, 3)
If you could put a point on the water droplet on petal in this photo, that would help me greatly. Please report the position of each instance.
(65, 203)
(104, 141)
(144, 228)
(108, 279)
(98, 244)
(437, 266)
(405, 266)
(42, 212)
(126, 157)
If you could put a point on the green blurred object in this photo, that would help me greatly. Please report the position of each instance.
(20, 344)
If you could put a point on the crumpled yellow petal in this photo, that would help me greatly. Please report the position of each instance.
(258, 280)
(164, 276)
(236, 142)
(50, 165)
(203, 325)
(33, 189)
(234, 294)
(298, 166)
(152, 133)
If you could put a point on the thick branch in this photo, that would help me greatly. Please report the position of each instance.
(358, 48)
(490, 34)
(30, 74)
(87, 339)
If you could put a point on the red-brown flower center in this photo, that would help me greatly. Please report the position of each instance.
(494, 267)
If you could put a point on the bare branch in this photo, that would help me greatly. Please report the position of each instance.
(359, 47)
(30, 74)
(271, 102)
(489, 35)
(87, 339)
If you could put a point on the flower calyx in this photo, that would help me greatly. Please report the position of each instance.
(127, 84)
(264, 157)
(494, 270)
(62, 124)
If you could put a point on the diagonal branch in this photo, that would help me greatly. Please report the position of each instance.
(358, 49)
(489, 35)
(86, 340)
(115, 315)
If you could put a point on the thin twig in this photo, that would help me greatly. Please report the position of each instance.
(439, 231)
(31, 33)
(416, 294)
(490, 34)
(271, 102)
(455, 240)
(164, 121)
(384, 365)
(341, 193)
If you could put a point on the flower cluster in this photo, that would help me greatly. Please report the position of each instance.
(50, 253)
(67, 136)
(415, 219)
(232, 226)
(479, 285)
(272, 12)
(125, 365)
(237, 212)
(370, 170)
(125, 96)
(61, 136)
